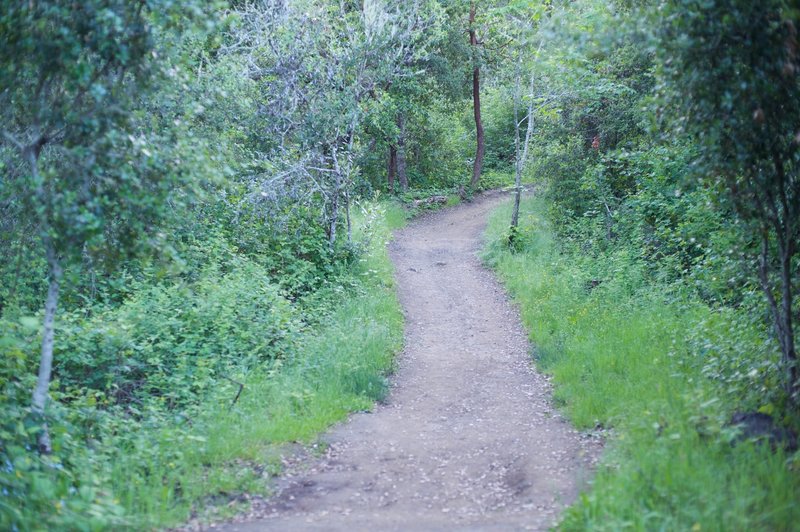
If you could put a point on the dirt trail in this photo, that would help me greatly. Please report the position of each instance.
(468, 438)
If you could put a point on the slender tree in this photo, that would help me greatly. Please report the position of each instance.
(521, 152)
(400, 157)
(732, 73)
(392, 172)
(480, 141)
(68, 72)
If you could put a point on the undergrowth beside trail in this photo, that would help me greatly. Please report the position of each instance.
(196, 441)
(339, 367)
(633, 356)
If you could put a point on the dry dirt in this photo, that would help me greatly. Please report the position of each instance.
(468, 438)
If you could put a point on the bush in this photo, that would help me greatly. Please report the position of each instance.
(173, 341)
(663, 371)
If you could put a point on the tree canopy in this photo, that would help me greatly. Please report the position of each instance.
(189, 190)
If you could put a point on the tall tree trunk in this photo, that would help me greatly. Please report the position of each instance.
(783, 210)
(392, 167)
(347, 217)
(521, 154)
(476, 101)
(348, 178)
(781, 308)
(789, 350)
(40, 392)
(517, 158)
(333, 221)
(48, 336)
(401, 153)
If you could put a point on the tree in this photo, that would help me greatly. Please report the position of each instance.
(85, 179)
(480, 143)
(321, 66)
(522, 27)
(731, 73)
(520, 145)
(400, 152)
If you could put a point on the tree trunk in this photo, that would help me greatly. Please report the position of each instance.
(476, 101)
(337, 185)
(40, 392)
(518, 159)
(789, 350)
(48, 335)
(783, 209)
(781, 310)
(347, 217)
(401, 153)
(521, 155)
(392, 166)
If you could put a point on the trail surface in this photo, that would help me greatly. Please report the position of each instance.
(468, 438)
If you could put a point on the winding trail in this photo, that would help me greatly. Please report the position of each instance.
(468, 438)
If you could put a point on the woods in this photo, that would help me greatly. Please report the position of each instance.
(195, 199)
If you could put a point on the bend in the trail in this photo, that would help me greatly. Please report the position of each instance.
(468, 438)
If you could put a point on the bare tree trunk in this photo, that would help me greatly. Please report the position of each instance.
(401, 153)
(40, 392)
(392, 167)
(349, 176)
(521, 158)
(789, 351)
(476, 101)
(787, 247)
(781, 312)
(517, 158)
(48, 336)
(337, 185)
(347, 217)
(782, 209)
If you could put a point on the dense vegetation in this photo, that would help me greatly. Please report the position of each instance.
(193, 222)
(666, 169)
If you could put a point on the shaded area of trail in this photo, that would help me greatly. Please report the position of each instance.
(468, 438)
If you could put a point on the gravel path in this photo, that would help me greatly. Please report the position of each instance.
(468, 438)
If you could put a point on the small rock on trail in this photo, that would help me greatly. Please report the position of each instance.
(467, 439)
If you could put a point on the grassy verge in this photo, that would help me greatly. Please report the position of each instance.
(623, 355)
(340, 367)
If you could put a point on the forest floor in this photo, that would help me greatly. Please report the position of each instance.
(468, 437)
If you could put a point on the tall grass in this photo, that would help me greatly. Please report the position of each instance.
(622, 356)
(340, 367)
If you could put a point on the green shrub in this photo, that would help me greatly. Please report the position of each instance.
(661, 369)
(148, 420)
(173, 341)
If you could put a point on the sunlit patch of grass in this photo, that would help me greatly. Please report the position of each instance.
(620, 359)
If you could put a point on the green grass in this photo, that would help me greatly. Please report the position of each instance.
(621, 357)
(341, 368)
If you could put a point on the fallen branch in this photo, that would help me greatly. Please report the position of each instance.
(433, 200)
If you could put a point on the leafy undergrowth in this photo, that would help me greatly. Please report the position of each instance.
(664, 373)
(176, 436)
(337, 369)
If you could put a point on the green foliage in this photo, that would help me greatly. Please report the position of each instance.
(663, 371)
(195, 168)
(143, 424)
(174, 342)
(494, 179)
(70, 74)
(746, 129)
